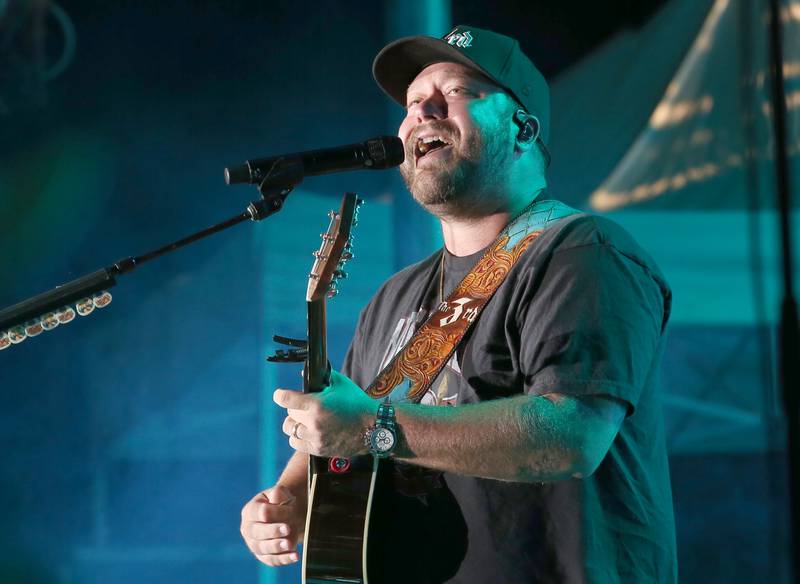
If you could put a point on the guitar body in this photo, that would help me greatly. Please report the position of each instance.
(381, 526)
(337, 525)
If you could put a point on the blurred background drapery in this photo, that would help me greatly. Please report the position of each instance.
(132, 437)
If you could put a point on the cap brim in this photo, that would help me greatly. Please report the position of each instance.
(398, 63)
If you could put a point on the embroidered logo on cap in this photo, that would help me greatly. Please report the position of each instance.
(462, 40)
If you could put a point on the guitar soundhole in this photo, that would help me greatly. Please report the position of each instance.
(339, 465)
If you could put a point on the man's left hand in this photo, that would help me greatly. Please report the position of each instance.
(328, 423)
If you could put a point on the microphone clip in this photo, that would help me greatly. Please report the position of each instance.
(279, 181)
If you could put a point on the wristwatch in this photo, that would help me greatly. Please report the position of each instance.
(382, 437)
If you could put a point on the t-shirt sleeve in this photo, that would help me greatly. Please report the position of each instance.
(593, 324)
(353, 364)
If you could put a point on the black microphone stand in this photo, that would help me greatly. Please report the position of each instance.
(14, 320)
(789, 333)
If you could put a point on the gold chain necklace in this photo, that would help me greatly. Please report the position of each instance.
(441, 276)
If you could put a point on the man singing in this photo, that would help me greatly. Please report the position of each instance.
(551, 465)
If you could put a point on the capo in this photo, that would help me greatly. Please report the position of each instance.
(296, 355)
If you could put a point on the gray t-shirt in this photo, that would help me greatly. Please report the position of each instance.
(582, 313)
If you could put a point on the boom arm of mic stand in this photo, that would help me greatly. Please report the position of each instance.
(24, 319)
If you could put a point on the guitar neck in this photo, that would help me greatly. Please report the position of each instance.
(317, 369)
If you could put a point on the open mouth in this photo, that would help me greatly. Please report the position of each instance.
(427, 144)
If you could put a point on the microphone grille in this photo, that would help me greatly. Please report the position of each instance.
(386, 151)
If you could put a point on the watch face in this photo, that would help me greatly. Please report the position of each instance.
(382, 440)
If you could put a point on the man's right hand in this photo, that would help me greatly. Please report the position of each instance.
(272, 525)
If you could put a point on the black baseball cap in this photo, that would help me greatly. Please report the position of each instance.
(496, 56)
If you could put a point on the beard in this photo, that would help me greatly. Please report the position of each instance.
(464, 184)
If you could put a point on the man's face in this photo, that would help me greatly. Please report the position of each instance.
(458, 136)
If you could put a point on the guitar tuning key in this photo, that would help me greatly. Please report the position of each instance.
(5, 342)
(340, 274)
(333, 292)
(333, 214)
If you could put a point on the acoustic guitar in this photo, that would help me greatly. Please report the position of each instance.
(339, 489)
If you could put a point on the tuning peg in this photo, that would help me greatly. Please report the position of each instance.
(333, 292)
(359, 202)
(340, 274)
(333, 214)
(5, 343)
(347, 256)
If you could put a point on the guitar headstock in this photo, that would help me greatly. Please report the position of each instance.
(334, 251)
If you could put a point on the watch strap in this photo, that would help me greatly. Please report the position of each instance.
(385, 417)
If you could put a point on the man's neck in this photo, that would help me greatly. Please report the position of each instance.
(465, 237)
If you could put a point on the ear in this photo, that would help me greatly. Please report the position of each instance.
(528, 130)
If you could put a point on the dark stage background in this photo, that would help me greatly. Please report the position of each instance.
(132, 437)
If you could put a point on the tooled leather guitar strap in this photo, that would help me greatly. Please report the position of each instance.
(412, 371)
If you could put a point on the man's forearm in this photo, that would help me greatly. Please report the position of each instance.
(295, 476)
(525, 438)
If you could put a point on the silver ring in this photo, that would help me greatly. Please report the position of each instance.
(294, 430)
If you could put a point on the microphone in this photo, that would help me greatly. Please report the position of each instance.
(375, 154)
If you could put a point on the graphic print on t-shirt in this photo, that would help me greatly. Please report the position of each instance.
(403, 331)
(444, 390)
